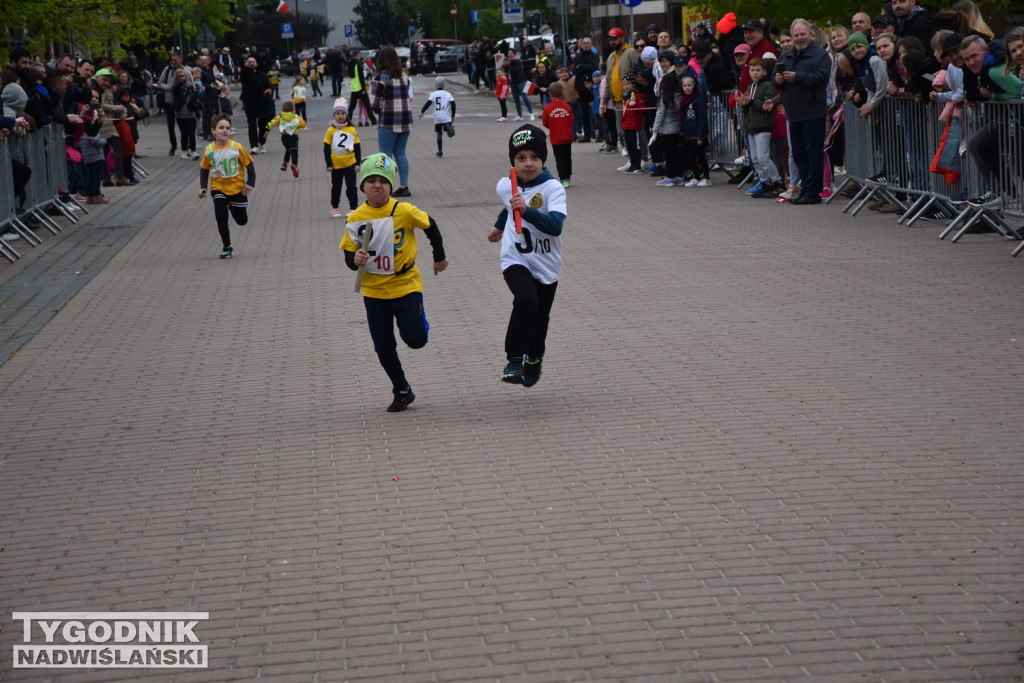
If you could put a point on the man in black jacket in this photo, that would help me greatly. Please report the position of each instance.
(584, 64)
(802, 77)
(912, 20)
(254, 84)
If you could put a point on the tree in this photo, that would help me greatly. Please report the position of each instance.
(383, 22)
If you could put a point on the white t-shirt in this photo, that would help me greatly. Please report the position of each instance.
(442, 100)
(539, 252)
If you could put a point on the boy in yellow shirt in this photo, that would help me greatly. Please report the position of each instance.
(231, 175)
(288, 125)
(275, 81)
(342, 154)
(392, 287)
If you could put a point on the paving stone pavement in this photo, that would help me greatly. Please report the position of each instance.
(771, 443)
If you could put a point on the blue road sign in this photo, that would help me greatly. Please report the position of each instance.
(286, 31)
(348, 30)
(475, 15)
(631, 3)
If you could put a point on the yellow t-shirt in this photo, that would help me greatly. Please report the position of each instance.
(343, 143)
(299, 94)
(406, 217)
(226, 166)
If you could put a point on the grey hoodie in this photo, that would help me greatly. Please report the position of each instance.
(15, 98)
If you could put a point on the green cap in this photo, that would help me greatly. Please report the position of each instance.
(377, 164)
(857, 39)
(104, 72)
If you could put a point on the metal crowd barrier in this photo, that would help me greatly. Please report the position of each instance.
(889, 155)
(43, 152)
(724, 142)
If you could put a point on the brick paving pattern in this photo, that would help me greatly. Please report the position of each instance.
(771, 443)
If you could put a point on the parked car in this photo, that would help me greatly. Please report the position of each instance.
(452, 60)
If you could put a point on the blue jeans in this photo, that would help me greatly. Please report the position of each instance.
(517, 95)
(393, 144)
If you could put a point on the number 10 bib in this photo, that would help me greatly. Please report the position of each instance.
(382, 243)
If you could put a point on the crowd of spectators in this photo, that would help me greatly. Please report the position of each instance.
(797, 144)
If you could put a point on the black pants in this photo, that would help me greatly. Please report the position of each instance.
(336, 81)
(504, 108)
(361, 96)
(345, 175)
(187, 127)
(236, 205)
(807, 139)
(695, 158)
(171, 118)
(632, 138)
(300, 109)
(611, 130)
(291, 148)
(531, 311)
(263, 132)
(983, 147)
(381, 317)
(563, 160)
(672, 153)
(253, 124)
(211, 107)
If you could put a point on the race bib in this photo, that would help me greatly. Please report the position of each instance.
(343, 143)
(289, 126)
(382, 243)
(223, 162)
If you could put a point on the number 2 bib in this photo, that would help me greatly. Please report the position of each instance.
(342, 143)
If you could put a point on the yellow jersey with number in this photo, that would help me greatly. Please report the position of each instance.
(226, 166)
(342, 142)
(397, 273)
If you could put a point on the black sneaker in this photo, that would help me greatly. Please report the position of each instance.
(402, 192)
(513, 372)
(531, 371)
(402, 400)
(989, 200)
(228, 252)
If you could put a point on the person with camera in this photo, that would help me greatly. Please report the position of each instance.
(801, 76)
(165, 97)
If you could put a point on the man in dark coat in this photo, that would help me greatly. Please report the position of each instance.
(254, 84)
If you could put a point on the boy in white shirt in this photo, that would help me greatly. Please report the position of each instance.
(444, 112)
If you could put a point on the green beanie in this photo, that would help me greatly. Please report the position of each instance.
(857, 39)
(377, 164)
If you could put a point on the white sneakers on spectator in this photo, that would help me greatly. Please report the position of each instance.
(625, 167)
(184, 155)
(704, 183)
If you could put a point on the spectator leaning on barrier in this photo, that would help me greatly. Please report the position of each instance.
(985, 78)
(802, 83)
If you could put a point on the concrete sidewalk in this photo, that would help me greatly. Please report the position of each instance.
(770, 443)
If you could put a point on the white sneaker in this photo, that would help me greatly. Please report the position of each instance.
(740, 160)
(335, 213)
(184, 155)
(195, 155)
(502, 118)
(692, 182)
(704, 183)
(518, 118)
(625, 152)
(624, 167)
(840, 170)
(644, 165)
(532, 117)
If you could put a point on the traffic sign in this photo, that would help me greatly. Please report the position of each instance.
(454, 11)
(631, 3)
(348, 30)
(475, 15)
(511, 11)
(286, 31)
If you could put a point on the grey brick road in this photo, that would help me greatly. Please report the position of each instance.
(771, 443)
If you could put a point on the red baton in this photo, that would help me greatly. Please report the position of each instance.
(515, 191)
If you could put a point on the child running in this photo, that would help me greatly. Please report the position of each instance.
(392, 287)
(223, 163)
(288, 125)
(444, 112)
(531, 261)
(342, 154)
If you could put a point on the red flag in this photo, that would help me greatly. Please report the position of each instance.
(282, 8)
